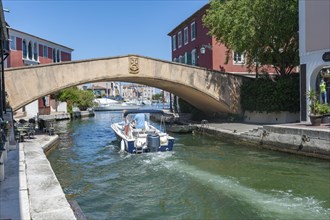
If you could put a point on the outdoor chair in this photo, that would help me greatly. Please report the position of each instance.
(49, 128)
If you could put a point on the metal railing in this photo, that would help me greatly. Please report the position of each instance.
(204, 125)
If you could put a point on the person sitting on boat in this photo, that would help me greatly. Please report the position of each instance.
(139, 120)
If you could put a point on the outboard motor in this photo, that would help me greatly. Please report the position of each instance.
(153, 142)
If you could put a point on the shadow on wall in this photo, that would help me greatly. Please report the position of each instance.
(228, 88)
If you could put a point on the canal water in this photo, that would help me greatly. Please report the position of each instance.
(203, 178)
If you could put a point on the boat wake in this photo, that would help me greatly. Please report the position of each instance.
(271, 204)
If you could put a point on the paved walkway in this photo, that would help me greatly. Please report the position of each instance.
(244, 127)
(14, 202)
(30, 189)
(307, 126)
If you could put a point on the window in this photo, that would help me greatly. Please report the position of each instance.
(181, 59)
(45, 51)
(58, 56)
(179, 39)
(12, 42)
(24, 49)
(174, 42)
(186, 58)
(185, 35)
(193, 57)
(30, 50)
(238, 58)
(175, 60)
(54, 55)
(46, 101)
(35, 51)
(193, 31)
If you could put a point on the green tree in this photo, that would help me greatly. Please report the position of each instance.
(157, 97)
(265, 30)
(83, 99)
(86, 99)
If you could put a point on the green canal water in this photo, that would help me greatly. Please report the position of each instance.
(203, 178)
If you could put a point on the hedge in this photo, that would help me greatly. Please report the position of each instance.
(264, 94)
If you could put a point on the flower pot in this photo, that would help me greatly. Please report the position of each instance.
(325, 119)
(315, 120)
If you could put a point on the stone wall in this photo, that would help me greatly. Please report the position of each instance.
(271, 118)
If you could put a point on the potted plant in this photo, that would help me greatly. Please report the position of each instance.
(314, 108)
(325, 112)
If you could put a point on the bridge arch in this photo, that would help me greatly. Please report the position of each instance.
(209, 91)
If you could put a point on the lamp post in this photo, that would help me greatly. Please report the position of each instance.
(2, 86)
(4, 47)
(202, 50)
(204, 47)
(281, 50)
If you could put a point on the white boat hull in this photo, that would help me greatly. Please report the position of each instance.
(116, 107)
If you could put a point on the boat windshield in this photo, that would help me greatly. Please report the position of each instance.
(127, 112)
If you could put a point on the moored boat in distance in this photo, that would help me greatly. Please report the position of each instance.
(106, 104)
(139, 136)
(146, 102)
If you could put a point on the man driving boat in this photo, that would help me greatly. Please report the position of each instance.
(139, 121)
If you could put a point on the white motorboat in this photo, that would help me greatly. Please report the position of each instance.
(133, 102)
(105, 104)
(146, 102)
(142, 140)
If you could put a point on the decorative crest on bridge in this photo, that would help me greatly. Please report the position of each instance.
(133, 65)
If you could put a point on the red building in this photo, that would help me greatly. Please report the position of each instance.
(190, 38)
(27, 49)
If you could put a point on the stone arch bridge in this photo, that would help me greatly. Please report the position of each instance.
(209, 91)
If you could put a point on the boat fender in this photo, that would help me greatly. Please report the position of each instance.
(163, 140)
(122, 145)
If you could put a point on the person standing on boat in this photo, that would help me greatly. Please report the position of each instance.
(139, 121)
(127, 125)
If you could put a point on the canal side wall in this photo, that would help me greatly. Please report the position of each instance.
(82, 114)
(67, 116)
(46, 197)
(271, 117)
(315, 143)
(307, 142)
(57, 116)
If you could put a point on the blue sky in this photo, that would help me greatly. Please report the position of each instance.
(103, 28)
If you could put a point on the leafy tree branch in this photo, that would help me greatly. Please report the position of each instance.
(266, 30)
